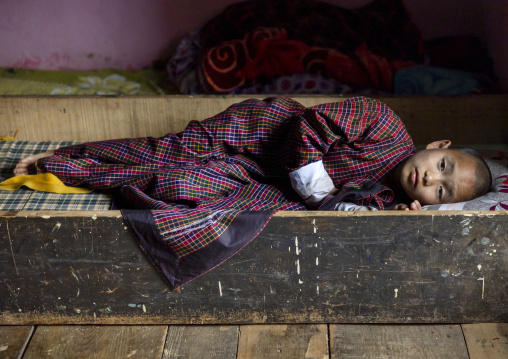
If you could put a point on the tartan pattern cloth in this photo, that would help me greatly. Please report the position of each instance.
(197, 181)
(14, 201)
(28, 200)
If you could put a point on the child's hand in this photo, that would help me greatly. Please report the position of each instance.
(400, 207)
(414, 206)
(27, 164)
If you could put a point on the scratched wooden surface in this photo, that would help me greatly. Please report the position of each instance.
(193, 341)
(487, 340)
(475, 341)
(93, 341)
(397, 341)
(13, 340)
(303, 268)
(283, 341)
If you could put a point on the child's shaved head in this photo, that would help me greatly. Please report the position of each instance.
(483, 176)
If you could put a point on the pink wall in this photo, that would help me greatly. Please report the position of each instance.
(129, 34)
(76, 34)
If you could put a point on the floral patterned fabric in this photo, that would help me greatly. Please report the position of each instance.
(15, 81)
(257, 42)
(308, 47)
(94, 85)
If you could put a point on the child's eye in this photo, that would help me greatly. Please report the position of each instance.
(442, 166)
(440, 192)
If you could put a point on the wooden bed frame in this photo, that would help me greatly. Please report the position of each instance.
(309, 267)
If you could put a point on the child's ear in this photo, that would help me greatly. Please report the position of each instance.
(439, 144)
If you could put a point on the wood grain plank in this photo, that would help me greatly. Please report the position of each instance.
(283, 341)
(106, 342)
(487, 340)
(97, 118)
(13, 340)
(200, 341)
(397, 341)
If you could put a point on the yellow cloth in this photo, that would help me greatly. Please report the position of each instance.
(44, 182)
(9, 138)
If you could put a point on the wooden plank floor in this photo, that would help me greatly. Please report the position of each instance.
(476, 341)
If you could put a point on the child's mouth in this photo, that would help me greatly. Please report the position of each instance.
(415, 178)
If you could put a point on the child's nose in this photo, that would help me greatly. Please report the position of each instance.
(429, 178)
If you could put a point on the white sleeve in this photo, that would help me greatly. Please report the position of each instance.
(348, 206)
(311, 182)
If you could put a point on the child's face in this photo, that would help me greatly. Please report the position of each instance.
(438, 175)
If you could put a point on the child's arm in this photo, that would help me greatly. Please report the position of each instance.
(358, 123)
(313, 184)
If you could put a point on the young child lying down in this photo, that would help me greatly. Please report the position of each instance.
(210, 190)
(351, 155)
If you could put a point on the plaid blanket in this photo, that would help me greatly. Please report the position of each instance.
(210, 189)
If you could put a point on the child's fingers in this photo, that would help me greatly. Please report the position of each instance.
(415, 206)
(401, 207)
(21, 169)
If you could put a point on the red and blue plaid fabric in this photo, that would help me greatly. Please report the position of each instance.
(196, 182)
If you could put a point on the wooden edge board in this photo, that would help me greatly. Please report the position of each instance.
(383, 268)
(99, 118)
(285, 214)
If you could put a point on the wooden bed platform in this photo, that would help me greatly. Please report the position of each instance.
(313, 284)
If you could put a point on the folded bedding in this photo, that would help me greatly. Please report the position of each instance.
(312, 47)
